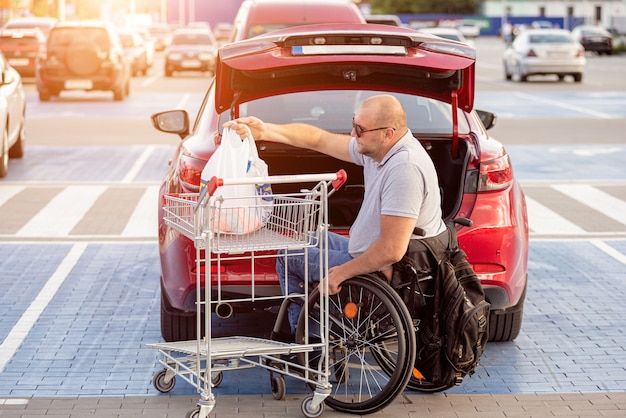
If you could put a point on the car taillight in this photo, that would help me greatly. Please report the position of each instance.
(580, 53)
(496, 174)
(531, 53)
(487, 268)
(190, 171)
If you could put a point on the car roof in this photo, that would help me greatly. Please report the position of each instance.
(82, 24)
(253, 15)
(358, 56)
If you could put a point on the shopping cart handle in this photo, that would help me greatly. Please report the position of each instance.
(214, 183)
(342, 177)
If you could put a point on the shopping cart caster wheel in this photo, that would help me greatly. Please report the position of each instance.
(160, 384)
(194, 413)
(279, 389)
(308, 410)
(216, 379)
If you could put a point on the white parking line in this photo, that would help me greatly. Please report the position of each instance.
(183, 101)
(596, 199)
(584, 110)
(609, 250)
(23, 326)
(149, 80)
(144, 220)
(7, 192)
(62, 213)
(139, 163)
(545, 221)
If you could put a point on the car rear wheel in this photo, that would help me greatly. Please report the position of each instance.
(4, 155)
(578, 77)
(17, 150)
(118, 93)
(44, 95)
(176, 325)
(505, 325)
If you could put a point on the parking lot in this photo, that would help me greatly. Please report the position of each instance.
(77, 311)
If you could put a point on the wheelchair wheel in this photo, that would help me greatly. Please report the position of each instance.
(371, 344)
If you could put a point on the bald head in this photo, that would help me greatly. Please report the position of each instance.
(385, 110)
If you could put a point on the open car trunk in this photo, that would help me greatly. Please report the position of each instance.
(344, 204)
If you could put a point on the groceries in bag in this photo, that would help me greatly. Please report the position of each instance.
(240, 208)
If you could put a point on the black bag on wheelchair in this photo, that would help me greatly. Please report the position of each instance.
(448, 306)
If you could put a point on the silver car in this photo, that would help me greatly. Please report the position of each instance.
(544, 52)
(12, 114)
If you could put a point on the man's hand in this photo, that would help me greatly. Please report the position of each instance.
(335, 278)
(256, 125)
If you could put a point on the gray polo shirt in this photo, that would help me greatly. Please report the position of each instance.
(404, 184)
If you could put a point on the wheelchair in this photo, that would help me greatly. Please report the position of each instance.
(371, 344)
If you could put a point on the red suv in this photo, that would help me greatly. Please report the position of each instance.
(319, 74)
(21, 47)
(256, 17)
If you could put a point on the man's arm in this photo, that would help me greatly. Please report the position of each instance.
(395, 233)
(296, 134)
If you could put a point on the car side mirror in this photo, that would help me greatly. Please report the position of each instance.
(172, 121)
(487, 118)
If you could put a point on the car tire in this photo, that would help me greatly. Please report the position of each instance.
(578, 77)
(4, 155)
(82, 58)
(505, 325)
(176, 325)
(44, 96)
(17, 150)
(118, 93)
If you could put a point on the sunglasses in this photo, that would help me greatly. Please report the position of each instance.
(360, 130)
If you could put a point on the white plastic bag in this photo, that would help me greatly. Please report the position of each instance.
(238, 209)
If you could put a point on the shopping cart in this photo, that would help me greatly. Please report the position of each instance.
(293, 221)
(354, 349)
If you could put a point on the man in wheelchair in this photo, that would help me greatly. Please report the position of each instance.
(402, 192)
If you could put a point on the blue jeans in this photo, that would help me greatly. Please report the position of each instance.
(337, 255)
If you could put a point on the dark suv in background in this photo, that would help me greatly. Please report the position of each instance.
(85, 55)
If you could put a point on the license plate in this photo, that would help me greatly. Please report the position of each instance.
(18, 62)
(190, 64)
(78, 84)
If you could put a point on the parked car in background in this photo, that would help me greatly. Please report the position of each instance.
(541, 24)
(297, 75)
(469, 28)
(256, 17)
(594, 38)
(191, 49)
(222, 32)
(161, 34)
(380, 19)
(12, 115)
(83, 55)
(135, 48)
(45, 24)
(544, 52)
(452, 34)
(148, 42)
(21, 48)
